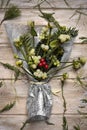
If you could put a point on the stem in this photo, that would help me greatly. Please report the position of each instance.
(64, 101)
(55, 71)
(49, 36)
(24, 124)
(1, 22)
(33, 41)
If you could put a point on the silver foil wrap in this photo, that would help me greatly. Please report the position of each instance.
(39, 102)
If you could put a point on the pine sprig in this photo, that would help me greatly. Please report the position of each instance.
(13, 68)
(8, 107)
(10, 13)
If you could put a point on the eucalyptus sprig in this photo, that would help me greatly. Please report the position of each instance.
(12, 12)
(8, 107)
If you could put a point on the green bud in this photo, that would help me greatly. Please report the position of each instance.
(76, 64)
(82, 60)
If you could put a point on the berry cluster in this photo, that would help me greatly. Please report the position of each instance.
(43, 63)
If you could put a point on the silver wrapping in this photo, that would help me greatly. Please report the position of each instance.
(39, 102)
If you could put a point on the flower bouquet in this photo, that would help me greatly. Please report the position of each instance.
(41, 51)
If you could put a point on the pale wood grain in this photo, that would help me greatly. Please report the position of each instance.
(13, 122)
(50, 3)
(73, 92)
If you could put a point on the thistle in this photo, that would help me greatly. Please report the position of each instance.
(10, 13)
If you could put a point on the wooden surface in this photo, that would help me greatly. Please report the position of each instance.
(13, 119)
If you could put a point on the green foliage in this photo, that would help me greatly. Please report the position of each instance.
(8, 107)
(10, 13)
(13, 68)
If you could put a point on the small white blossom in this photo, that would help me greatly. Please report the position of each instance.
(39, 74)
(64, 37)
(33, 66)
(44, 47)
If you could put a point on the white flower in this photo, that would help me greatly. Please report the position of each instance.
(44, 76)
(64, 37)
(44, 47)
(39, 74)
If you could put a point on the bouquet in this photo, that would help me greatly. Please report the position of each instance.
(41, 51)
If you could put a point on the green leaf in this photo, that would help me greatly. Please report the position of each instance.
(53, 44)
(33, 32)
(8, 107)
(13, 68)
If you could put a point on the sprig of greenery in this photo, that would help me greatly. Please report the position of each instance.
(12, 12)
(13, 68)
(8, 107)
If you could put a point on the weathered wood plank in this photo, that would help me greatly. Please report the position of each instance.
(73, 95)
(50, 3)
(13, 122)
(63, 16)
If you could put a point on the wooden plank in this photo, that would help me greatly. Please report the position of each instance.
(13, 122)
(50, 3)
(63, 16)
(73, 94)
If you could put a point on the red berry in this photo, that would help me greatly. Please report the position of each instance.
(42, 60)
(40, 64)
(46, 66)
(44, 63)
